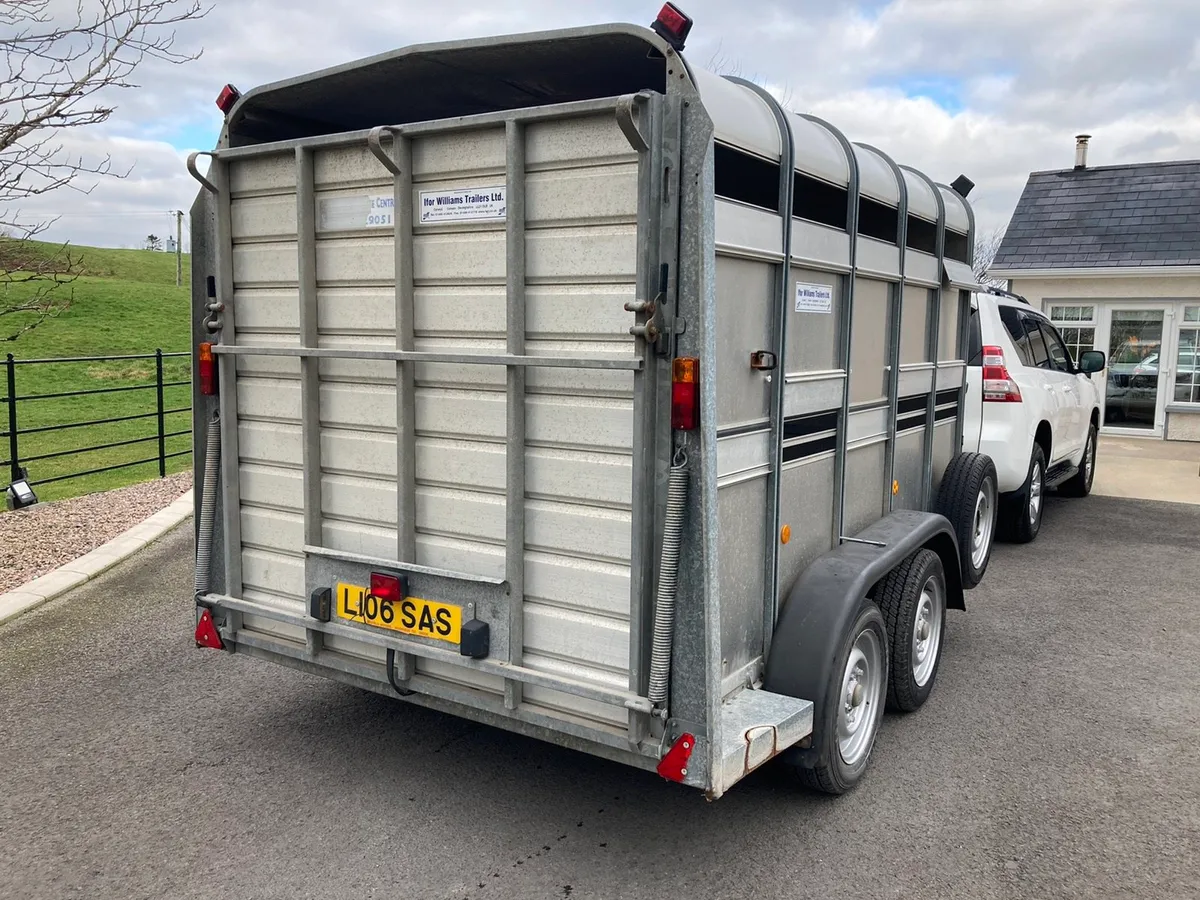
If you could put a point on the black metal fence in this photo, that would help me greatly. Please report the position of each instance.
(18, 464)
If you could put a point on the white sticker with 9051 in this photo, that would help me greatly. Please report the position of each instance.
(351, 213)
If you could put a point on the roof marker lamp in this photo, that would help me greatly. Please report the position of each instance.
(229, 95)
(672, 25)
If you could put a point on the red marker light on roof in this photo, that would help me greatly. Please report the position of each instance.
(229, 95)
(673, 25)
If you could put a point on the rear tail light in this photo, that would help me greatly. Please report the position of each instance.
(387, 587)
(207, 369)
(685, 393)
(998, 385)
(673, 25)
(229, 95)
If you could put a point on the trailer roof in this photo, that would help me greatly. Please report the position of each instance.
(456, 78)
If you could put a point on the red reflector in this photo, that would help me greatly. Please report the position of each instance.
(207, 368)
(206, 632)
(229, 95)
(387, 587)
(673, 25)
(673, 766)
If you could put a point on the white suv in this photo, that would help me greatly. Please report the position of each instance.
(1029, 407)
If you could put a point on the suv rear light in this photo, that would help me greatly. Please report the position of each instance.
(998, 385)
(685, 393)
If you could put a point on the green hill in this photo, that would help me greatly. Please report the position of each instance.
(141, 266)
(122, 302)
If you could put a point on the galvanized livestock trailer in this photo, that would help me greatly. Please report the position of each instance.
(556, 384)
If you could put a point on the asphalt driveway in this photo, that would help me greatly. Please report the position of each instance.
(1058, 757)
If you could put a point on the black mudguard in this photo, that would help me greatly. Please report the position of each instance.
(827, 596)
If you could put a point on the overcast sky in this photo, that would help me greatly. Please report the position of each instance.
(990, 89)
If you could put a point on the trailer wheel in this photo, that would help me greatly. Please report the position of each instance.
(854, 707)
(912, 599)
(968, 497)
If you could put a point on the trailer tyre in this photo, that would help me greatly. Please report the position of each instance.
(854, 706)
(969, 498)
(912, 599)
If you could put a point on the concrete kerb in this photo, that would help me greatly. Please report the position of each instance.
(72, 574)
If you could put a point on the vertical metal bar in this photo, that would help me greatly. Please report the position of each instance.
(514, 495)
(964, 328)
(406, 428)
(658, 239)
(839, 501)
(162, 430)
(14, 465)
(310, 367)
(231, 497)
(787, 186)
(310, 380)
(933, 336)
(896, 320)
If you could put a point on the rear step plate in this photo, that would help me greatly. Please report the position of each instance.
(758, 725)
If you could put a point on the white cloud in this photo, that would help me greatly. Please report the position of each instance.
(1030, 74)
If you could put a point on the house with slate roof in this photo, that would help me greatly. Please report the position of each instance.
(1112, 255)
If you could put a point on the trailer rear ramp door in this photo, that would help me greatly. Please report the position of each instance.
(519, 243)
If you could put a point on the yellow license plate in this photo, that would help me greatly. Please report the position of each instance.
(412, 615)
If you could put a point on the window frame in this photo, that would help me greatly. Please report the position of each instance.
(1061, 323)
(1194, 370)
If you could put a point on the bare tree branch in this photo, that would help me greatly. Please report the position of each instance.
(57, 74)
(986, 247)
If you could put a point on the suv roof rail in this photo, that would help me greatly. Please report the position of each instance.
(1001, 292)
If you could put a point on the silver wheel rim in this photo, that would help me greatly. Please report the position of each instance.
(985, 523)
(927, 630)
(1035, 494)
(1089, 460)
(862, 691)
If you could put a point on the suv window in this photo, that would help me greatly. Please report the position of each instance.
(1016, 330)
(1036, 342)
(1060, 356)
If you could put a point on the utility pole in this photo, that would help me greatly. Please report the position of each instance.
(179, 248)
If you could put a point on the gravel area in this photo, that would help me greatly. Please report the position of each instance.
(38, 540)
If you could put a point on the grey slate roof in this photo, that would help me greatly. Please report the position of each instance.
(1136, 215)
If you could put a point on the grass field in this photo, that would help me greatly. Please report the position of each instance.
(124, 303)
